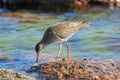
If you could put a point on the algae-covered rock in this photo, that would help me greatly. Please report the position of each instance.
(11, 75)
(79, 69)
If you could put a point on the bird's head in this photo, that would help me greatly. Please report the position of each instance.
(38, 48)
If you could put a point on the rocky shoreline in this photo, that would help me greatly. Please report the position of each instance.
(75, 69)
(55, 5)
(79, 69)
(6, 74)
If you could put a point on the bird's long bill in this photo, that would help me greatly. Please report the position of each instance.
(38, 54)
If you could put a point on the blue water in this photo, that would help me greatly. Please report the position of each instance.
(100, 40)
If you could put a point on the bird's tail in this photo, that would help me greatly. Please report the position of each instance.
(80, 25)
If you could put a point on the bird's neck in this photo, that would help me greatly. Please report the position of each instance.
(43, 44)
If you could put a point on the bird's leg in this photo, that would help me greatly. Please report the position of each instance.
(68, 50)
(59, 50)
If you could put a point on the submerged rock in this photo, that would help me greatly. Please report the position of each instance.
(10, 75)
(79, 69)
(5, 58)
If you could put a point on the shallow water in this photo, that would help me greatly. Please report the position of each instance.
(100, 40)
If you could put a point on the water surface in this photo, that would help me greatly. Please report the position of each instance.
(100, 40)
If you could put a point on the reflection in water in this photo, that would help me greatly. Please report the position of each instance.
(101, 39)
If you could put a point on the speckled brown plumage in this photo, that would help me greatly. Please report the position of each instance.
(59, 33)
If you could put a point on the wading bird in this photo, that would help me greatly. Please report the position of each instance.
(59, 33)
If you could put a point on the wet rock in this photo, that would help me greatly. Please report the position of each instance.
(15, 15)
(28, 21)
(80, 69)
(5, 58)
(26, 17)
(10, 75)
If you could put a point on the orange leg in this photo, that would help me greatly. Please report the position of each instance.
(68, 50)
(59, 50)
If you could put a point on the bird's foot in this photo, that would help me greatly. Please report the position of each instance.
(69, 59)
(66, 60)
(56, 58)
